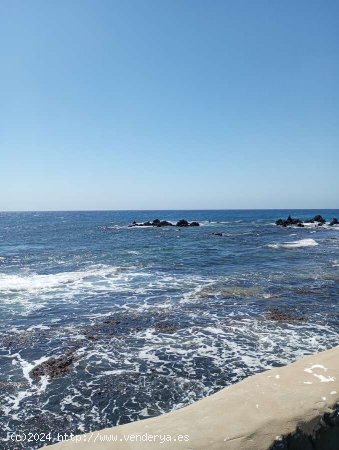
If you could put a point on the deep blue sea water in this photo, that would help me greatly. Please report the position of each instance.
(154, 318)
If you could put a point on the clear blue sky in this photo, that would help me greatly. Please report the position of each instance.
(169, 104)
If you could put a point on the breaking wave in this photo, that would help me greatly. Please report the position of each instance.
(295, 244)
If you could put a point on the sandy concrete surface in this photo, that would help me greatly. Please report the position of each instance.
(250, 415)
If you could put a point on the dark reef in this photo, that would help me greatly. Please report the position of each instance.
(318, 220)
(165, 223)
(54, 367)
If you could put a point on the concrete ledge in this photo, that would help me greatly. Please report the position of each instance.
(259, 413)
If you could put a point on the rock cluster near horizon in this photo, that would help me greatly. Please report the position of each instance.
(318, 220)
(165, 223)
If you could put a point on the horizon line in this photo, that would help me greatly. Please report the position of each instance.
(160, 210)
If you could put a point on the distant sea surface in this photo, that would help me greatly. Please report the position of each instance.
(148, 320)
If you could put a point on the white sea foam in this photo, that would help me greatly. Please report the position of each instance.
(100, 277)
(32, 291)
(241, 347)
(295, 244)
(35, 282)
(313, 225)
(205, 223)
(326, 226)
(38, 327)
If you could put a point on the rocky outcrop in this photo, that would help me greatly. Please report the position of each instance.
(182, 223)
(291, 221)
(288, 222)
(155, 223)
(165, 223)
(334, 221)
(318, 218)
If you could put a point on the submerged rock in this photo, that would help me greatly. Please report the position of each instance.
(103, 329)
(24, 339)
(54, 367)
(282, 316)
(165, 327)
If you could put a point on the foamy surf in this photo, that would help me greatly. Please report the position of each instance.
(152, 321)
(35, 282)
(296, 244)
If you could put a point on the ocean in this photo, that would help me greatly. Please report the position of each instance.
(144, 320)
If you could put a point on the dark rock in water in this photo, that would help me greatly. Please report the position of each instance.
(182, 223)
(144, 224)
(164, 223)
(217, 234)
(334, 221)
(54, 367)
(90, 337)
(288, 222)
(300, 225)
(103, 329)
(282, 316)
(111, 322)
(319, 218)
(25, 339)
(293, 221)
(165, 327)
